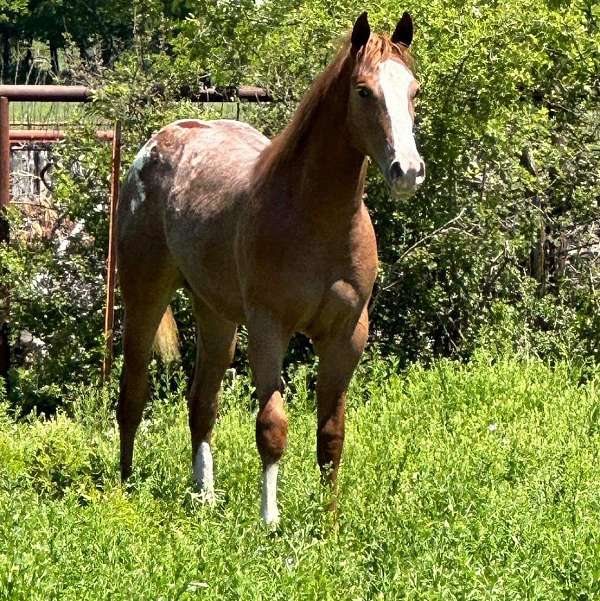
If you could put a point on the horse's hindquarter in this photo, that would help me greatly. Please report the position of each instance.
(208, 194)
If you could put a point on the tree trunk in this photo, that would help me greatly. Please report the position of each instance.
(138, 34)
(5, 57)
(54, 58)
(538, 252)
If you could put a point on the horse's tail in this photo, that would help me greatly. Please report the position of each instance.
(166, 340)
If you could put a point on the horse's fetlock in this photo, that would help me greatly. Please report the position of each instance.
(330, 442)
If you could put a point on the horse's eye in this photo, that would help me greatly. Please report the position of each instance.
(364, 92)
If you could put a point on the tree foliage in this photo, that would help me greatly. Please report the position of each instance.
(499, 248)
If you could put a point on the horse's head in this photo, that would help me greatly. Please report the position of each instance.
(382, 102)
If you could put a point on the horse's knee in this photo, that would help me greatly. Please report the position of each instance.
(221, 356)
(271, 430)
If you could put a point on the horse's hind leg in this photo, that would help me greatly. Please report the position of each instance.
(338, 357)
(146, 297)
(214, 353)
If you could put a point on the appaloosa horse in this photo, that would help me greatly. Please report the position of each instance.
(273, 235)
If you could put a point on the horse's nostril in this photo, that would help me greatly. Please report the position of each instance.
(421, 170)
(396, 170)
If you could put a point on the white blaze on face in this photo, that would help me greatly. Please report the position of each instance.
(395, 80)
(203, 471)
(269, 511)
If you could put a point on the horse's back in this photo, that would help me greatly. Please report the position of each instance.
(186, 162)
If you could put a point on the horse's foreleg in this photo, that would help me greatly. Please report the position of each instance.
(338, 357)
(216, 345)
(267, 343)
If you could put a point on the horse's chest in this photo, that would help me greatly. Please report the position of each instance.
(335, 309)
(313, 281)
(342, 300)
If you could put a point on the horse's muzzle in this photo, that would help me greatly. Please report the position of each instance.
(404, 182)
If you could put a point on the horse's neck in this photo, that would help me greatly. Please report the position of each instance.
(330, 176)
(324, 175)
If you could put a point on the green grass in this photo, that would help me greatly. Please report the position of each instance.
(458, 482)
(52, 114)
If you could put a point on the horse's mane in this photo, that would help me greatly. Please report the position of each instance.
(379, 48)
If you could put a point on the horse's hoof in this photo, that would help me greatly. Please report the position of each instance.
(208, 497)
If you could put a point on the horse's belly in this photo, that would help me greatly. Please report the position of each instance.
(224, 301)
(204, 255)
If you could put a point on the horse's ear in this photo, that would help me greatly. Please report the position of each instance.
(403, 34)
(360, 33)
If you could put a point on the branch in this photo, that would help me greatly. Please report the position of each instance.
(410, 249)
(37, 205)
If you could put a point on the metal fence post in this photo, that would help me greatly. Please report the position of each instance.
(109, 314)
(4, 235)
